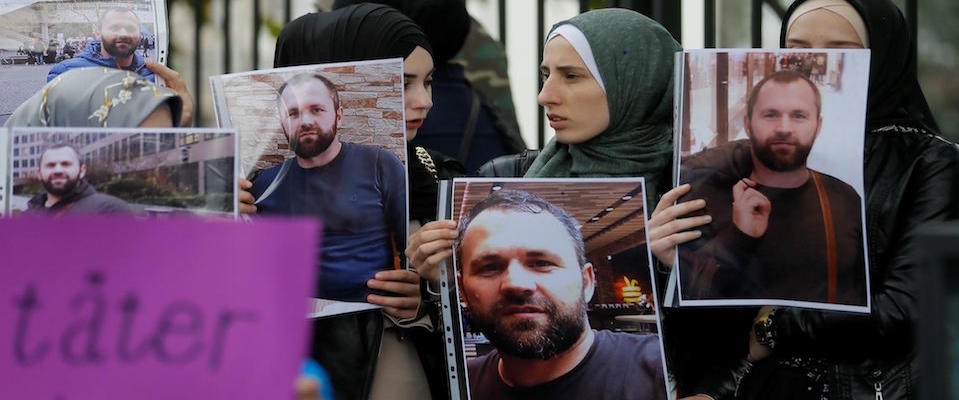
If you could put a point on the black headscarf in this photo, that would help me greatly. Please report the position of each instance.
(895, 97)
(445, 22)
(355, 33)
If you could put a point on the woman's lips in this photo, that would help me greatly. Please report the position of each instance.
(557, 122)
(414, 123)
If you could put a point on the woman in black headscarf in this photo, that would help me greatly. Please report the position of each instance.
(368, 355)
(911, 179)
(467, 119)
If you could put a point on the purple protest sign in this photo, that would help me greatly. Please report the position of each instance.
(106, 307)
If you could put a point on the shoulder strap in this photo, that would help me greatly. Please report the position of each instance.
(831, 257)
(276, 180)
(427, 161)
(467, 141)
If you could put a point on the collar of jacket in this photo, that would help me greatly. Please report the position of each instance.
(82, 190)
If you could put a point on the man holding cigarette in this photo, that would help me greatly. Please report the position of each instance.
(779, 229)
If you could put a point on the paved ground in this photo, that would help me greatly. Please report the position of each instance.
(17, 84)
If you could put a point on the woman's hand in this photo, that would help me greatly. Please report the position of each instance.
(429, 246)
(666, 229)
(405, 284)
(245, 197)
(173, 81)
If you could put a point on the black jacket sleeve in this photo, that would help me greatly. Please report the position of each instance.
(928, 192)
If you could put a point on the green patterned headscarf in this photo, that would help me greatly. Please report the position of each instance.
(634, 55)
(97, 96)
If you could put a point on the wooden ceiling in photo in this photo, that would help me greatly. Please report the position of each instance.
(606, 210)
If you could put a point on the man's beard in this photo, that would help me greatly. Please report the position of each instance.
(780, 162)
(312, 146)
(114, 51)
(65, 189)
(529, 339)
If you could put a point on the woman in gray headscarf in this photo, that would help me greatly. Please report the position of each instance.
(104, 97)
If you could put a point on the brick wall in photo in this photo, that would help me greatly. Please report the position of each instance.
(371, 95)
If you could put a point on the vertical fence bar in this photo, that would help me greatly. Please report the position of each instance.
(287, 10)
(756, 23)
(777, 7)
(197, 70)
(256, 34)
(227, 51)
(912, 16)
(583, 6)
(501, 11)
(669, 14)
(710, 20)
(540, 37)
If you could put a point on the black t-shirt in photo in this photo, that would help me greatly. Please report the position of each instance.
(618, 366)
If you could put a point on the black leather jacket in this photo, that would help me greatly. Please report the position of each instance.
(508, 166)
(911, 179)
(348, 346)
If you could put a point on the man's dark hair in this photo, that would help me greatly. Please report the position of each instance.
(112, 10)
(784, 76)
(60, 145)
(520, 201)
(299, 79)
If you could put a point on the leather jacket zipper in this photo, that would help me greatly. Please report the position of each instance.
(877, 377)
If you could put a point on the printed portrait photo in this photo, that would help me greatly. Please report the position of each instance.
(548, 268)
(769, 140)
(328, 142)
(145, 172)
(370, 94)
(42, 39)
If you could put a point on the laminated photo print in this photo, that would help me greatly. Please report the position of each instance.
(140, 172)
(771, 141)
(42, 39)
(552, 275)
(327, 142)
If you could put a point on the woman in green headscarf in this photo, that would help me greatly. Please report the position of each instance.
(103, 97)
(608, 93)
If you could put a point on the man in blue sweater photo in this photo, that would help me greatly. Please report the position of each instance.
(357, 190)
(118, 36)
